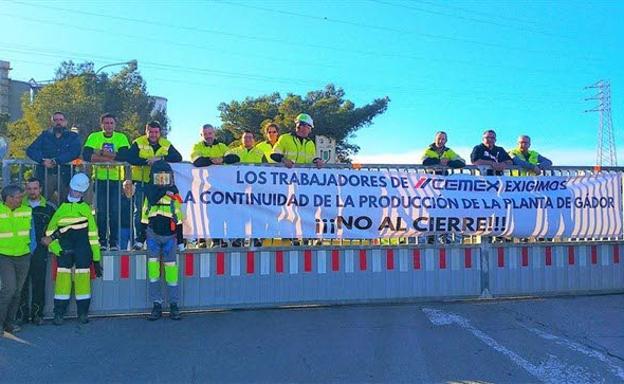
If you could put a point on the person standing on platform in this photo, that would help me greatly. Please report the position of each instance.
(246, 153)
(438, 154)
(296, 148)
(104, 147)
(271, 133)
(54, 149)
(143, 153)
(209, 151)
(531, 162)
(489, 154)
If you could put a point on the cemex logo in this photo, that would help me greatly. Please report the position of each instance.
(469, 185)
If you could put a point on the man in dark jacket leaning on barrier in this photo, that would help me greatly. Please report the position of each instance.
(54, 149)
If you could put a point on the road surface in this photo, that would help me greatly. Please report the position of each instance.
(554, 340)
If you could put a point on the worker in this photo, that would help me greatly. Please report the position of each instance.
(16, 245)
(162, 218)
(72, 236)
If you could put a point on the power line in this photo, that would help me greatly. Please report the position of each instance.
(282, 41)
(478, 13)
(361, 52)
(211, 49)
(516, 96)
(470, 19)
(403, 31)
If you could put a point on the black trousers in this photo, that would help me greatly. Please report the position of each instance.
(33, 292)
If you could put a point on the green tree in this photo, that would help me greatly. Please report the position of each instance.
(333, 115)
(83, 96)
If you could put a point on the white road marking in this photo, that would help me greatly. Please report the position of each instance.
(550, 371)
(614, 368)
(11, 336)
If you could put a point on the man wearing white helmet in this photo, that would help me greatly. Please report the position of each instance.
(297, 148)
(72, 236)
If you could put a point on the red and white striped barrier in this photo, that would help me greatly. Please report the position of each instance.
(276, 277)
(555, 269)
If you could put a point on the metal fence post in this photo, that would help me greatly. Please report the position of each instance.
(485, 248)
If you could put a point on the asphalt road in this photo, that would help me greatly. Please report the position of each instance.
(555, 340)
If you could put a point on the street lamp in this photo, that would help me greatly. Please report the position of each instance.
(132, 65)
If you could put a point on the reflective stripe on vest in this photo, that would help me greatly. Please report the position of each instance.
(166, 207)
(293, 149)
(15, 228)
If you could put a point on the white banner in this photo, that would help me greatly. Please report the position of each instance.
(270, 202)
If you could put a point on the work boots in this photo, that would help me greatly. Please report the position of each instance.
(83, 318)
(174, 312)
(156, 312)
(58, 318)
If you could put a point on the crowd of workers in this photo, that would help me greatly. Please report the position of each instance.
(31, 227)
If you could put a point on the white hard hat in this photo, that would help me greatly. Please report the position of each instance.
(304, 118)
(79, 183)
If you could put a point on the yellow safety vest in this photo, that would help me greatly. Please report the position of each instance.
(166, 206)
(247, 156)
(141, 172)
(15, 230)
(267, 149)
(448, 154)
(217, 149)
(533, 158)
(294, 149)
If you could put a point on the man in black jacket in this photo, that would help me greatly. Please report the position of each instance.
(487, 153)
(31, 307)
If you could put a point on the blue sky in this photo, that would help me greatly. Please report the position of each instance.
(461, 66)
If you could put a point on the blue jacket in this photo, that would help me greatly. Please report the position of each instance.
(63, 150)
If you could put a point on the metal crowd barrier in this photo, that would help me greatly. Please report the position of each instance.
(343, 271)
(269, 278)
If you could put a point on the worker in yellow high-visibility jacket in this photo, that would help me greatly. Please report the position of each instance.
(530, 162)
(16, 244)
(143, 153)
(297, 148)
(72, 236)
(246, 153)
(271, 133)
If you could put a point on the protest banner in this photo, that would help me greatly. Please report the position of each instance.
(270, 202)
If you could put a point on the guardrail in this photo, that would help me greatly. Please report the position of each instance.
(225, 279)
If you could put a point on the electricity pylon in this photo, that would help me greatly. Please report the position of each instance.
(605, 153)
